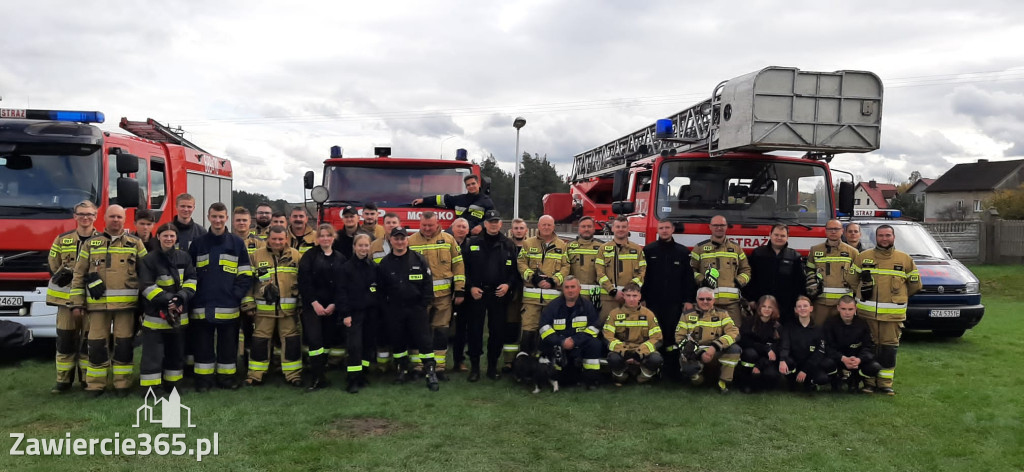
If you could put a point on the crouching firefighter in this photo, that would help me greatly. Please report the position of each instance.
(168, 281)
(633, 337)
(277, 274)
(568, 339)
(850, 346)
(706, 336)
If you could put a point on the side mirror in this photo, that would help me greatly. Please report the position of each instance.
(307, 180)
(127, 189)
(620, 185)
(623, 207)
(845, 203)
(127, 163)
(486, 186)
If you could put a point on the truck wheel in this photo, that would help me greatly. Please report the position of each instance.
(949, 333)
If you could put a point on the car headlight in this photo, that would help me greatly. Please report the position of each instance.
(972, 287)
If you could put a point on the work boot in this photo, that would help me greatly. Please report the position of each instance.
(887, 390)
(432, 379)
(227, 382)
(170, 386)
(402, 369)
(867, 389)
(723, 387)
(317, 382)
(474, 369)
(353, 383)
(60, 387)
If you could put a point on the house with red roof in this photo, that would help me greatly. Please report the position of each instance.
(872, 195)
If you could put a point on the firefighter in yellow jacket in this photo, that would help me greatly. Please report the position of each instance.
(301, 236)
(442, 254)
(543, 263)
(619, 262)
(633, 338)
(276, 269)
(827, 266)
(72, 355)
(106, 285)
(583, 254)
(707, 335)
(721, 265)
(884, 280)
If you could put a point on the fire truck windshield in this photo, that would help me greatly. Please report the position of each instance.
(749, 191)
(34, 184)
(391, 186)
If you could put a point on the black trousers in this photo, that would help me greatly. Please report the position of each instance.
(163, 356)
(492, 310)
(321, 333)
(768, 376)
(215, 347)
(459, 338)
(357, 355)
(818, 371)
(409, 328)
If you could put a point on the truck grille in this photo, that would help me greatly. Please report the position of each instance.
(946, 289)
(33, 261)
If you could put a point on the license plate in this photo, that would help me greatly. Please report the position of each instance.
(944, 313)
(12, 301)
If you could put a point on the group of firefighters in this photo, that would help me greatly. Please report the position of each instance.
(555, 311)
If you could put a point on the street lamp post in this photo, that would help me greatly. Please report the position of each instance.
(441, 153)
(517, 124)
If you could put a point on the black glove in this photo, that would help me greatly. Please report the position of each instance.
(272, 294)
(632, 355)
(95, 286)
(63, 277)
(536, 279)
(814, 284)
(867, 286)
(688, 349)
(551, 281)
(865, 276)
(711, 278)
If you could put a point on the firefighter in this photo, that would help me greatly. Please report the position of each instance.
(514, 314)
(669, 287)
(543, 263)
(460, 315)
(276, 268)
(348, 231)
(758, 369)
(376, 328)
(619, 262)
(803, 353)
(278, 218)
(302, 237)
(721, 265)
(827, 265)
(225, 276)
(188, 230)
(583, 254)
(884, 279)
(408, 289)
(168, 280)
(633, 338)
(262, 224)
(706, 336)
(852, 236)
(490, 275)
(441, 252)
(319, 284)
(850, 346)
(106, 285)
(471, 205)
(241, 228)
(370, 225)
(569, 338)
(358, 305)
(776, 269)
(72, 331)
(144, 220)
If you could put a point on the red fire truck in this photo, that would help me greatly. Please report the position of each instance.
(712, 159)
(391, 183)
(50, 160)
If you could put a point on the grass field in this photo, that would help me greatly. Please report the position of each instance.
(959, 408)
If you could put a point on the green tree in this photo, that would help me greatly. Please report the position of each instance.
(538, 178)
(501, 186)
(250, 200)
(1009, 203)
(909, 205)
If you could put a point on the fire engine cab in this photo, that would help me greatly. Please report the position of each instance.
(390, 183)
(712, 159)
(50, 160)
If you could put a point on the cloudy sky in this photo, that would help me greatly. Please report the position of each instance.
(273, 85)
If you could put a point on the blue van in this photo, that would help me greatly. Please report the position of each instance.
(949, 302)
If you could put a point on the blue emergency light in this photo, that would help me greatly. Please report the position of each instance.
(335, 152)
(663, 129)
(55, 115)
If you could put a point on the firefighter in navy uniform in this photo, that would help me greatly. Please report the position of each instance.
(721, 265)
(884, 279)
(543, 263)
(490, 276)
(358, 304)
(669, 288)
(408, 289)
(633, 338)
(168, 280)
(276, 269)
(827, 265)
(72, 354)
(471, 205)
(706, 336)
(850, 346)
(225, 276)
(804, 352)
(376, 326)
(620, 261)
(106, 284)
(569, 338)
